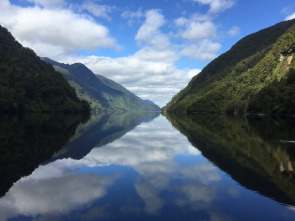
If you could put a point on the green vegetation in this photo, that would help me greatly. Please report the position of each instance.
(245, 76)
(103, 94)
(254, 151)
(276, 98)
(29, 84)
(27, 140)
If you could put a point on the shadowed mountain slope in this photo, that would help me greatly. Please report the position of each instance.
(258, 69)
(102, 93)
(29, 84)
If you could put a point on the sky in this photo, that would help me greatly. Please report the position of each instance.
(151, 47)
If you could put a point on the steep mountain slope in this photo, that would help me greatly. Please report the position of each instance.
(256, 64)
(29, 84)
(102, 93)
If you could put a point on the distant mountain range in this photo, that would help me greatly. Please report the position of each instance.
(256, 75)
(29, 84)
(102, 93)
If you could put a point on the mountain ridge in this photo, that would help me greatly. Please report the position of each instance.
(231, 81)
(28, 84)
(102, 93)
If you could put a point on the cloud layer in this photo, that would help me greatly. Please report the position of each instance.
(54, 32)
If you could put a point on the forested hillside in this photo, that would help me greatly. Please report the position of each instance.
(29, 84)
(102, 93)
(256, 75)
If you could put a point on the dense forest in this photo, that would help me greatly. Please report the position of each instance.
(256, 75)
(29, 84)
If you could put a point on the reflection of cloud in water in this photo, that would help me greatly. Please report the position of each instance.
(149, 193)
(60, 192)
(150, 149)
(153, 142)
(194, 188)
(195, 192)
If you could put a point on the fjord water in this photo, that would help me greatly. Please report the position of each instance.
(149, 167)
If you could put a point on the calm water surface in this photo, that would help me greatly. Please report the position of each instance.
(127, 167)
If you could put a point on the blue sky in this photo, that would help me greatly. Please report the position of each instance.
(152, 47)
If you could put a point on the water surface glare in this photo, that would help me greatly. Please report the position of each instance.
(152, 172)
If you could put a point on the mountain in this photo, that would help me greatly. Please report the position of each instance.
(256, 75)
(29, 84)
(102, 93)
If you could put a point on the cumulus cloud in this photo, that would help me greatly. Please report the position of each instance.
(132, 17)
(216, 6)
(193, 72)
(290, 17)
(199, 33)
(58, 32)
(97, 10)
(150, 33)
(205, 50)
(196, 31)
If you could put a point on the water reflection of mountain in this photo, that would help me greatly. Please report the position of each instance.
(30, 139)
(100, 130)
(253, 151)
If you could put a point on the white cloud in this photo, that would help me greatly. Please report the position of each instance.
(290, 17)
(205, 50)
(97, 10)
(234, 31)
(150, 33)
(60, 31)
(193, 72)
(180, 22)
(196, 31)
(216, 6)
(132, 17)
